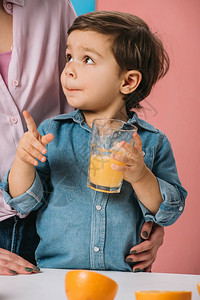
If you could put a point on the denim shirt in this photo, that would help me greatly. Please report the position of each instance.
(83, 228)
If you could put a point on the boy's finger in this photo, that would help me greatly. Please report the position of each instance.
(31, 155)
(138, 141)
(29, 121)
(46, 139)
(32, 141)
(128, 147)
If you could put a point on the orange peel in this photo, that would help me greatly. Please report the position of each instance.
(163, 295)
(198, 287)
(85, 284)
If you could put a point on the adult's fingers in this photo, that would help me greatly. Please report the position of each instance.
(146, 230)
(145, 265)
(155, 240)
(11, 264)
(143, 256)
(29, 121)
(143, 247)
(148, 269)
(7, 271)
(145, 253)
(143, 260)
(10, 268)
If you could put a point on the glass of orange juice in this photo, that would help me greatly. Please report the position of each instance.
(106, 137)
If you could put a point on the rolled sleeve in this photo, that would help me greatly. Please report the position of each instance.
(30, 200)
(172, 206)
(173, 203)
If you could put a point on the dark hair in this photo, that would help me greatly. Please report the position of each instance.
(134, 47)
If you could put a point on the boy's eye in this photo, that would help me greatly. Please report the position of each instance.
(88, 60)
(68, 57)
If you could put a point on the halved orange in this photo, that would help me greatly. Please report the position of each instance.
(85, 284)
(198, 287)
(163, 295)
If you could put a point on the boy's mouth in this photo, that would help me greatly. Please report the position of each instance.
(72, 90)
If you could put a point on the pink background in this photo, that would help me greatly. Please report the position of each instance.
(173, 107)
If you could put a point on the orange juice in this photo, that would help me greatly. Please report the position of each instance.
(106, 138)
(102, 175)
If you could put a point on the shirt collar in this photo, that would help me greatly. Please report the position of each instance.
(140, 123)
(78, 117)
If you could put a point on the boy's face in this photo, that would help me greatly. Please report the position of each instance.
(91, 79)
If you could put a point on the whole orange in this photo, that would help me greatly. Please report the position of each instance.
(163, 295)
(88, 285)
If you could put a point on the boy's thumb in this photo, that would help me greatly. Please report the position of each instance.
(46, 139)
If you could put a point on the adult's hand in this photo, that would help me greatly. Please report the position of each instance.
(144, 254)
(12, 264)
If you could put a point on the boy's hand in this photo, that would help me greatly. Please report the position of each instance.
(31, 147)
(135, 168)
(143, 181)
(32, 144)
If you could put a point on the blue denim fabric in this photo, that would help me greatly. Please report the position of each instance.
(19, 236)
(83, 228)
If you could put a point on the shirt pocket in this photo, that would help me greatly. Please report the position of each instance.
(148, 155)
(65, 196)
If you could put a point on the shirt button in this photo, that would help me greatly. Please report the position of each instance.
(15, 83)
(180, 208)
(9, 6)
(96, 249)
(98, 207)
(13, 120)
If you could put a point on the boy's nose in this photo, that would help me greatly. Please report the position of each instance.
(70, 71)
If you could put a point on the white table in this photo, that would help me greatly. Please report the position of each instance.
(49, 284)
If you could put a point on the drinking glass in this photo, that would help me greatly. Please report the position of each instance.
(106, 137)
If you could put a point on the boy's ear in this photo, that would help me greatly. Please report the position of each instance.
(130, 82)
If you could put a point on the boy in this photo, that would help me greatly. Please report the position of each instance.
(112, 62)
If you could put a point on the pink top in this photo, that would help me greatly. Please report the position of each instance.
(39, 38)
(5, 58)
